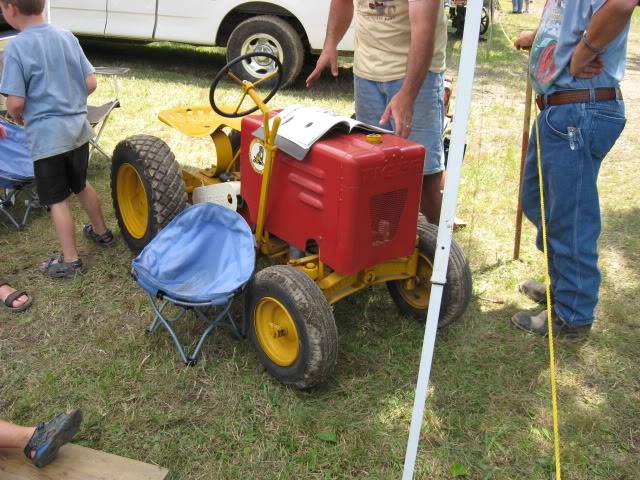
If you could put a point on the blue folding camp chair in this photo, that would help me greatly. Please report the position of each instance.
(198, 263)
(16, 175)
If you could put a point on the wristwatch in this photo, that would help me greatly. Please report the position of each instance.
(593, 49)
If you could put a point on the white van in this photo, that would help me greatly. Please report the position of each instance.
(289, 29)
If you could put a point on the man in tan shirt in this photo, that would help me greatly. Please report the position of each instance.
(399, 65)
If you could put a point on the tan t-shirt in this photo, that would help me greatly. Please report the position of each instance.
(383, 38)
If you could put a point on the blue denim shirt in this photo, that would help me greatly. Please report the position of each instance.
(47, 67)
(560, 31)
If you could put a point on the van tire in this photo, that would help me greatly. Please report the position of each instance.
(276, 36)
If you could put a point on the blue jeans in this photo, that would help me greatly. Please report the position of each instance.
(372, 99)
(575, 138)
(518, 5)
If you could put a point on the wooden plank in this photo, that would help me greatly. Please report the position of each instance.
(78, 463)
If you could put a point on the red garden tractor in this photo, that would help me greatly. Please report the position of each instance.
(343, 219)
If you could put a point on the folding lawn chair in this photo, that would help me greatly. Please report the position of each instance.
(198, 263)
(98, 116)
(16, 175)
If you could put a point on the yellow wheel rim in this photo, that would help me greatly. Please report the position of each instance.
(276, 332)
(418, 298)
(132, 201)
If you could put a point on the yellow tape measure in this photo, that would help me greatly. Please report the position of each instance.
(547, 279)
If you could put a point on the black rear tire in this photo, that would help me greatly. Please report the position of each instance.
(162, 186)
(312, 319)
(276, 36)
(457, 291)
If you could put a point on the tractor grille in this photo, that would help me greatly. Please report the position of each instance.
(385, 212)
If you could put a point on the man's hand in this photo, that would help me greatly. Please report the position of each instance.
(400, 108)
(524, 41)
(328, 58)
(3, 132)
(586, 67)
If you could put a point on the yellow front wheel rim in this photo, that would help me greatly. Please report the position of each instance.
(418, 297)
(277, 332)
(132, 201)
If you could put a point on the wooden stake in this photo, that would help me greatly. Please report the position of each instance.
(526, 129)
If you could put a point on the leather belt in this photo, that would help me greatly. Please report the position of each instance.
(577, 96)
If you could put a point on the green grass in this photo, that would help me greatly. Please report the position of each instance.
(83, 342)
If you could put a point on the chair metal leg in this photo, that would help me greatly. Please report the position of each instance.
(212, 324)
(95, 146)
(221, 319)
(10, 217)
(27, 211)
(167, 325)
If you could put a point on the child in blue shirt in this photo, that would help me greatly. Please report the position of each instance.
(47, 80)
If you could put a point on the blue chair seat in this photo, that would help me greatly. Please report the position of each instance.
(16, 174)
(203, 255)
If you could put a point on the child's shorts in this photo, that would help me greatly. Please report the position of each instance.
(58, 176)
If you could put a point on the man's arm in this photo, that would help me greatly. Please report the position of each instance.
(423, 15)
(340, 16)
(15, 107)
(605, 26)
(92, 84)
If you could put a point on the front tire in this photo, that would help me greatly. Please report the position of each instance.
(146, 188)
(267, 34)
(291, 326)
(457, 291)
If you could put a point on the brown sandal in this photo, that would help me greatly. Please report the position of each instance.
(12, 297)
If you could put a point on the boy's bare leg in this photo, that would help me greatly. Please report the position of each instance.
(431, 199)
(14, 436)
(91, 204)
(65, 228)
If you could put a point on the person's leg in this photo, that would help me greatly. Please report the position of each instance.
(54, 189)
(531, 192)
(14, 436)
(370, 102)
(428, 125)
(577, 288)
(77, 172)
(65, 229)
(574, 140)
(431, 198)
(91, 205)
(41, 444)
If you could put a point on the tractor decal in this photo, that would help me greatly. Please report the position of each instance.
(256, 155)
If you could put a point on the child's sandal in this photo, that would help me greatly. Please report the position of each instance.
(105, 240)
(56, 267)
(50, 436)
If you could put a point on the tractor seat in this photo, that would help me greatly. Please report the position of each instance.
(197, 121)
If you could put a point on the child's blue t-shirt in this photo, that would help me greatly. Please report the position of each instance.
(47, 67)
(559, 33)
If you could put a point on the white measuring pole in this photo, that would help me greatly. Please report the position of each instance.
(47, 11)
(445, 231)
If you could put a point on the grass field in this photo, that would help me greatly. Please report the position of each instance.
(489, 413)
